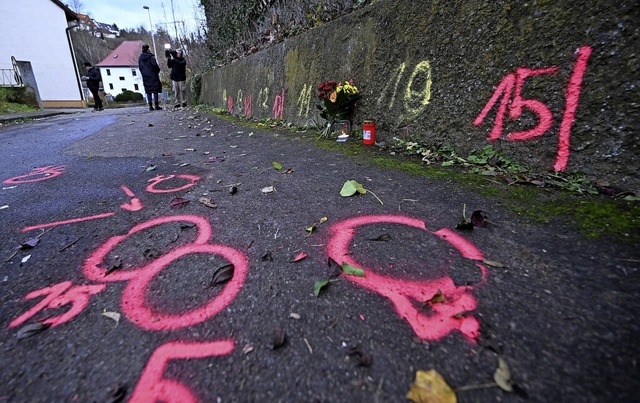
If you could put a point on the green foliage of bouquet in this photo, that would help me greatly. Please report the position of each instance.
(337, 101)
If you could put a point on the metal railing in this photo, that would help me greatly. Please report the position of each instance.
(9, 78)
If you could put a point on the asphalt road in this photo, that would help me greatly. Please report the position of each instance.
(163, 256)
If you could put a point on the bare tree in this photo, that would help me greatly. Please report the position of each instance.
(76, 6)
(89, 48)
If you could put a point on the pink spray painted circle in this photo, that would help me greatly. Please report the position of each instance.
(136, 307)
(445, 317)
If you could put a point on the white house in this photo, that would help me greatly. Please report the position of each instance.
(36, 34)
(120, 71)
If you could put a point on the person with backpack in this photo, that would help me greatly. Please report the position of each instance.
(93, 77)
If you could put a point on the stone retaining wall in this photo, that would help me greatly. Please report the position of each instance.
(553, 84)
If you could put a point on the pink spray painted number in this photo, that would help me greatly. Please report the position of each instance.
(153, 387)
(278, 106)
(57, 296)
(511, 89)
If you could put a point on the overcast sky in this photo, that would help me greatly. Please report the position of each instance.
(129, 14)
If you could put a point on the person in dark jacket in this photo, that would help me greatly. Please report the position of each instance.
(178, 66)
(150, 76)
(93, 77)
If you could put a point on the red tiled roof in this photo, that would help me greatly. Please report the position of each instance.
(125, 55)
(83, 17)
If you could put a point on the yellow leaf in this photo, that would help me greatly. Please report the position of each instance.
(430, 387)
(323, 220)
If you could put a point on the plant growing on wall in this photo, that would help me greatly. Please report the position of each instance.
(337, 102)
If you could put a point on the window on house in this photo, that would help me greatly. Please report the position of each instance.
(121, 78)
(108, 72)
(123, 89)
(135, 87)
(133, 72)
(110, 86)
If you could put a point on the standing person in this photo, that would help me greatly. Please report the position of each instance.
(178, 66)
(93, 77)
(150, 76)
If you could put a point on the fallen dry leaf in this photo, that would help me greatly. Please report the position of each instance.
(112, 315)
(278, 337)
(30, 243)
(430, 387)
(115, 393)
(207, 202)
(178, 202)
(493, 263)
(502, 376)
(222, 275)
(247, 349)
(381, 238)
(479, 218)
(298, 257)
(362, 359)
(438, 298)
(334, 269)
(32, 329)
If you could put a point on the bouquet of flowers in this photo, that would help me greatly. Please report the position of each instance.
(337, 102)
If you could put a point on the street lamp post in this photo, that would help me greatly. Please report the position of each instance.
(153, 39)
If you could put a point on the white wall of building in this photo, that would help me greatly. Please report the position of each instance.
(115, 79)
(34, 31)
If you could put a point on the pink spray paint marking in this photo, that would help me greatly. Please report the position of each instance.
(65, 222)
(136, 308)
(278, 106)
(230, 104)
(248, 100)
(573, 95)
(152, 387)
(505, 90)
(37, 175)
(57, 296)
(406, 295)
(132, 205)
(192, 179)
(513, 83)
(94, 272)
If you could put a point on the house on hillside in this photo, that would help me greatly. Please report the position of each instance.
(85, 22)
(98, 29)
(106, 30)
(120, 71)
(36, 51)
